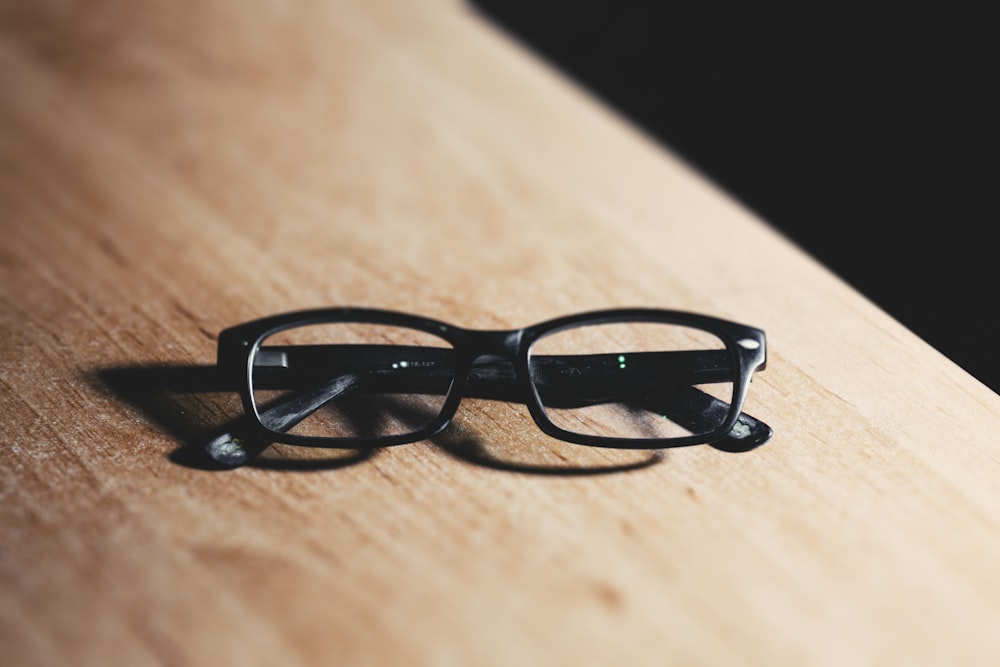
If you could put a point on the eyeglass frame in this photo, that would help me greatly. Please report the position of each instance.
(238, 346)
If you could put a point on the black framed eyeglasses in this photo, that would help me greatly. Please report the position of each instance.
(626, 378)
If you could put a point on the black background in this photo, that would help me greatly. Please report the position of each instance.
(865, 136)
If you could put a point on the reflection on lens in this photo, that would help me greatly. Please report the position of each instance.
(634, 380)
(351, 380)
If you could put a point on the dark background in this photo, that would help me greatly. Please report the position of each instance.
(863, 135)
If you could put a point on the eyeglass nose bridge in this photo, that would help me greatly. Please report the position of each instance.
(487, 366)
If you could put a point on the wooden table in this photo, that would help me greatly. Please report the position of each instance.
(168, 172)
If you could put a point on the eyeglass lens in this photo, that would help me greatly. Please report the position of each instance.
(351, 380)
(633, 380)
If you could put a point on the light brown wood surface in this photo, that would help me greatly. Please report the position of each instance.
(170, 169)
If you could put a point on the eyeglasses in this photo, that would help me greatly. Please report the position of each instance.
(629, 378)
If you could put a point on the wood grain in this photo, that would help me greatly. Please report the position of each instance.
(169, 170)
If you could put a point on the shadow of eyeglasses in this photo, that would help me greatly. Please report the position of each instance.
(167, 395)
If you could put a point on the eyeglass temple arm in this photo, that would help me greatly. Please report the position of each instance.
(694, 409)
(413, 369)
(230, 448)
(684, 404)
